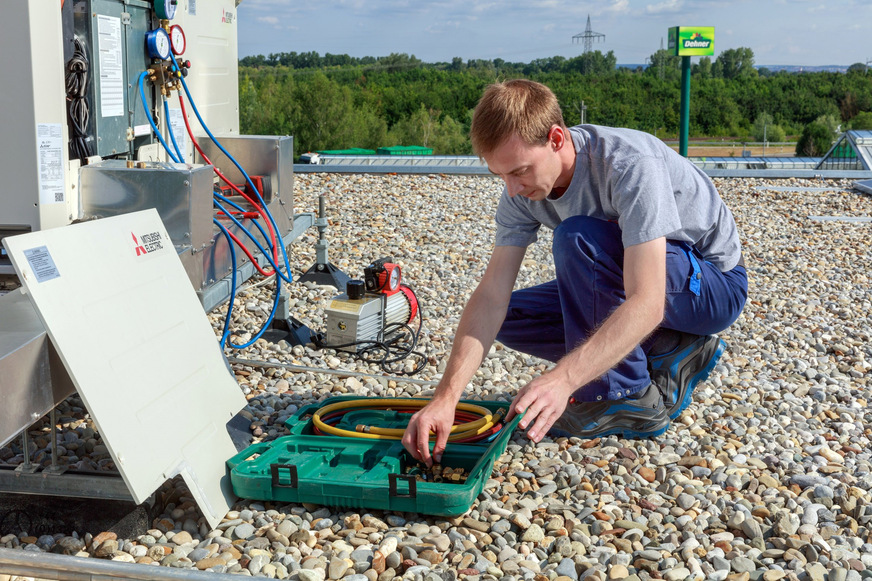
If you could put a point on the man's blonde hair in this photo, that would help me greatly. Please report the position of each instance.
(517, 107)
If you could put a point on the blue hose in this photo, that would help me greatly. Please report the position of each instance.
(248, 232)
(239, 167)
(170, 131)
(279, 276)
(230, 202)
(226, 333)
(150, 120)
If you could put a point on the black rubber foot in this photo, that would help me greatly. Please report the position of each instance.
(290, 330)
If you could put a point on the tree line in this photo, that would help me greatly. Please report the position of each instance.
(339, 101)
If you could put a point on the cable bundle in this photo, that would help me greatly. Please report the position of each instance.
(77, 88)
(472, 423)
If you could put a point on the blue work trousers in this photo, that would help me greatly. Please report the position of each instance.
(551, 319)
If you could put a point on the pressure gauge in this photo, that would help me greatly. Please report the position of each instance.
(165, 9)
(391, 278)
(177, 38)
(158, 43)
(382, 276)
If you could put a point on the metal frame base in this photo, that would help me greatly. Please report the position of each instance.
(108, 487)
(291, 330)
(325, 274)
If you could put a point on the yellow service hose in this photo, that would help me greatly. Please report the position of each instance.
(458, 432)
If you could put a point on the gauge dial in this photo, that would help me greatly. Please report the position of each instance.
(158, 43)
(177, 38)
(394, 281)
(165, 9)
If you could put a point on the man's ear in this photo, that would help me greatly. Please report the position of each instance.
(557, 137)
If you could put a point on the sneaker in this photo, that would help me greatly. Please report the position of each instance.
(677, 372)
(642, 415)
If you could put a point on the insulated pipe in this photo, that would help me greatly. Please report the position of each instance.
(66, 568)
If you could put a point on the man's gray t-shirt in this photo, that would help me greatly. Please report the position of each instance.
(633, 178)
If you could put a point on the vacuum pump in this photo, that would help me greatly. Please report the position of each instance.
(373, 311)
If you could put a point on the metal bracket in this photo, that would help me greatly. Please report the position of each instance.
(323, 272)
(276, 476)
(392, 486)
(26, 468)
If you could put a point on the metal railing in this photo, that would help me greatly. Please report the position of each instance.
(65, 568)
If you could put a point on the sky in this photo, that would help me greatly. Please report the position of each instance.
(780, 32)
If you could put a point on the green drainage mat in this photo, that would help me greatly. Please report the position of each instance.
(355, 473)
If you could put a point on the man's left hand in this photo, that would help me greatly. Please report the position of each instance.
(542, 402)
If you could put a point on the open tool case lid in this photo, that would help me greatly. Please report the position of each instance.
(356, 473)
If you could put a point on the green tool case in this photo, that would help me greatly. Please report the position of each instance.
(354, 473)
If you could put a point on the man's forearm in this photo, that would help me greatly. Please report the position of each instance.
(619, 334)
(476, 332)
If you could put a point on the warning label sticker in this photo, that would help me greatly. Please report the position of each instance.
(41, 263)
(111, 66)
(345, 306)
(49, 142)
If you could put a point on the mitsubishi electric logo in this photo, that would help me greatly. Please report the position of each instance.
(150, 243)
(226, 17)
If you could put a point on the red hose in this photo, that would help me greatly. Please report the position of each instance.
(233, 186)
(248, 254)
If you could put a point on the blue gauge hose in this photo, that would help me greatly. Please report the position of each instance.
(150, 120)
(225, 335)
(246, 231)
(263, 232)
(226, 332)
(239, 167)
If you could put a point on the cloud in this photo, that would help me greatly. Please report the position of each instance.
(615, 7)
(443, 27)
(485, 6)
(669, 6)
(268, 19)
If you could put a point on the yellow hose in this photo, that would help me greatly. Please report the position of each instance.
(458, 432)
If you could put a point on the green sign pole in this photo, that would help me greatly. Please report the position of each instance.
(684, 128)
(688, 41)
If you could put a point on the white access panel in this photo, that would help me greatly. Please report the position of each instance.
(117, 304)
(211, 30)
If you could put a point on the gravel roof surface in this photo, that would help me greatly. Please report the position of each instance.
(766, 475)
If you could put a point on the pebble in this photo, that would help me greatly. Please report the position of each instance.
(243, 531)
(766, 475)
(566, 568)
(534, 534)
(742, 565)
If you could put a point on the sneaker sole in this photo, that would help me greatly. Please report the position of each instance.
(687, 396)
(649, 427)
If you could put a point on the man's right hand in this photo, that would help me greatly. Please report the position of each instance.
(436, 417)
(479, 324)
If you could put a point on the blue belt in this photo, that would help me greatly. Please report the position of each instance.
(696, 275)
